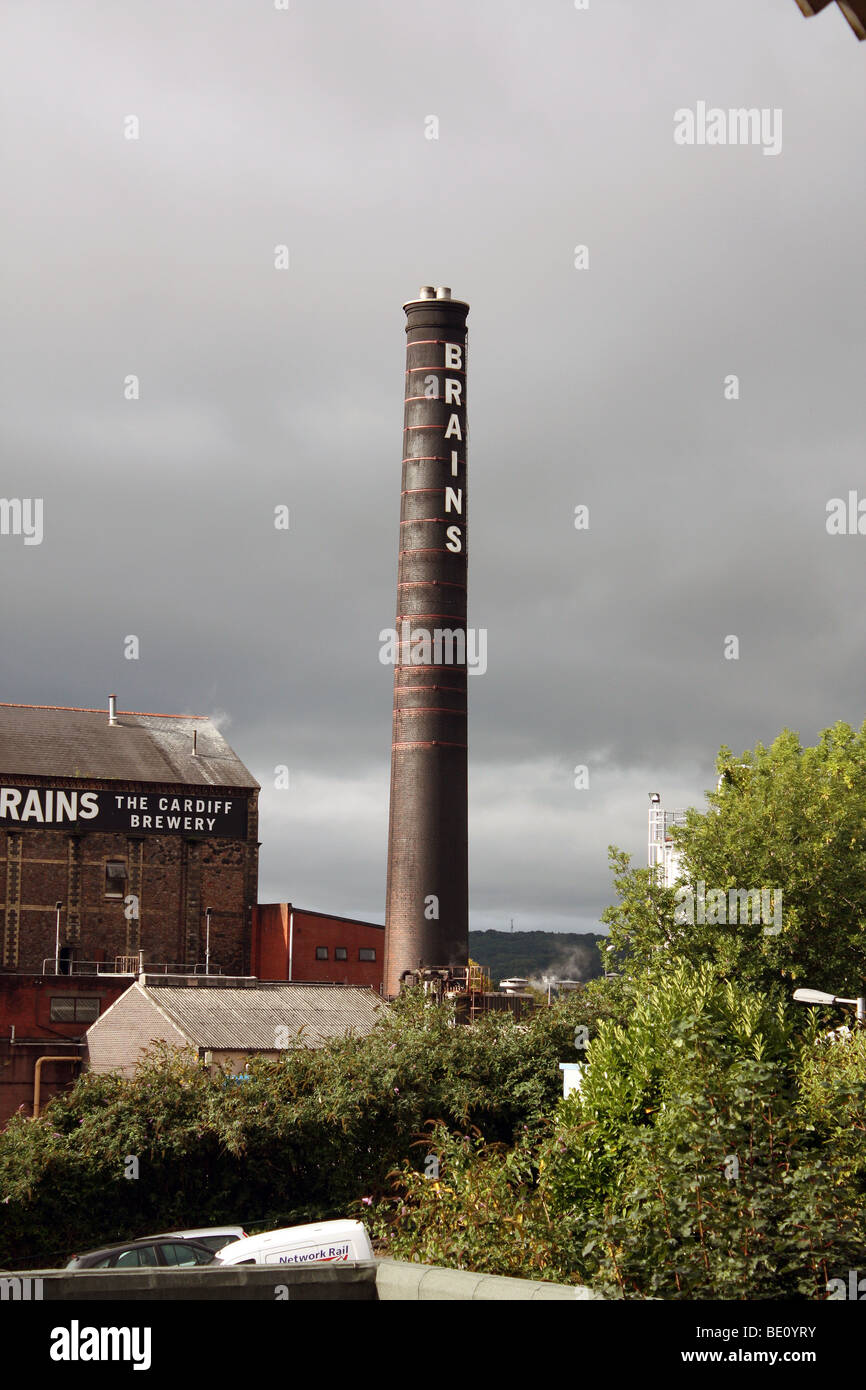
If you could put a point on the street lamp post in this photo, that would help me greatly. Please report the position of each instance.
(819, 996)
(207, 913)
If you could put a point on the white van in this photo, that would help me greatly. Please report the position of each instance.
(324, 1242)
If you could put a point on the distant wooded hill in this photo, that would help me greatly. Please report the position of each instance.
(567, 955)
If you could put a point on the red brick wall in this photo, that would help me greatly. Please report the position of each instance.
(270, 952)
(25, 1002)
(271, 922)
(175, 879)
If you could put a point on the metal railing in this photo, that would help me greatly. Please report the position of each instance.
(124, 965)
(200, 969)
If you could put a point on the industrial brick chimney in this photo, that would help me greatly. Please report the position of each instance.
(427, 907)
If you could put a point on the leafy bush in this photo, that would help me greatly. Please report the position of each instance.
(685, 1159)
(833, 1098)
(300, 1140)
(477, 1207)
(710, 1153)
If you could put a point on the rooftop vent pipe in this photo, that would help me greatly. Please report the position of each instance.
(112, 709)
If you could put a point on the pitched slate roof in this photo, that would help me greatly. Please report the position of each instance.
(246, 1018)
(53, 741)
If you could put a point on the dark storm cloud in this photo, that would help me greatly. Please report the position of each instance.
(601, 387)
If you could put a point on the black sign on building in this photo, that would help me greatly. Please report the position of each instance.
(156, 813)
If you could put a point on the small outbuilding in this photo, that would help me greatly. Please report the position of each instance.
(225, 1020)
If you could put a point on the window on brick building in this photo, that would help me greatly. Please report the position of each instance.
(74, 1008)
(115, 878)
(321, 953)
(367, 953)
(340, 953)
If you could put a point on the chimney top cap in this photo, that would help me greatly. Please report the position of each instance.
(434, 293)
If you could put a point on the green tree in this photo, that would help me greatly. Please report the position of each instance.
(833, 1098)
(684, 1162)
(785, 819)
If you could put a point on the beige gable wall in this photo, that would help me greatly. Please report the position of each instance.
(236, 1061)
(133, 1023)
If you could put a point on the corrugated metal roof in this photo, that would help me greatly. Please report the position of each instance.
(247, 1018)
(45, 741)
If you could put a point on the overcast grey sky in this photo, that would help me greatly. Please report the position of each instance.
(602, 386)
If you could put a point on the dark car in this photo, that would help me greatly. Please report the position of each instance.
(152, 1253)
